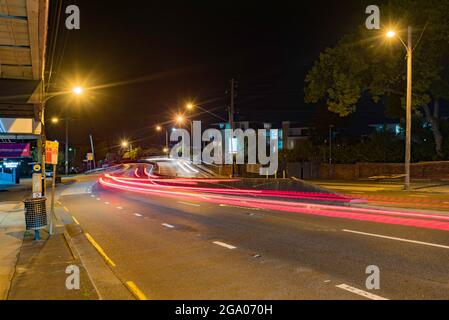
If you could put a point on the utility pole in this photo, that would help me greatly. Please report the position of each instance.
(408, 130)
(330, 149)
(66, 146)
(231, 122)
(93, 150)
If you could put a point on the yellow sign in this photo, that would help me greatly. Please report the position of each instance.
(51, 152)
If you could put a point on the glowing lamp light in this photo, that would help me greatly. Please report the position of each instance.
(189, 106)
(391, 34)
(77, 90)
(55, 120)
(125, 144)
(158, 128)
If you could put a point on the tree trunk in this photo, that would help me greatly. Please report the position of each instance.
(434, 120)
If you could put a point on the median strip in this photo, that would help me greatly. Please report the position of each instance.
(397, 239)
(99, 249)
(360, 292)
(136, 291)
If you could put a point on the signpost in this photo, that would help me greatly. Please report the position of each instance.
(37, 181)
(51, 157)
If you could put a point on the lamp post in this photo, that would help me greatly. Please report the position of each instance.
(408, 126)
(180, 119)
(159, 129)
(66, 160)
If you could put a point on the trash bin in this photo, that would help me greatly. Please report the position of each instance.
(35, 215)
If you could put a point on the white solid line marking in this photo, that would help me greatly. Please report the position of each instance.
(168, 225)
(224, 245)
(137, 214)
(189, 204)
(360, 292)
(398, 239)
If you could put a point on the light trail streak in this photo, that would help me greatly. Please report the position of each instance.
(360, 214)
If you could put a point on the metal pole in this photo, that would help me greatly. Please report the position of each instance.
(166, 142)
(408, 130)
(231, 123)
(66, 146)
(93, 151)
(52, 211)
(330, 150)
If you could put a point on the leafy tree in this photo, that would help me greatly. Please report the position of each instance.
(367, 63)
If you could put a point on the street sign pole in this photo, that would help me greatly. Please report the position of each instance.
(51, 157)
(52, 211)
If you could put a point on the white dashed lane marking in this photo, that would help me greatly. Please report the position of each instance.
(168, 225)
(137, 214)
(225, 245)
(360, 292)
(189, 204)
(120, 208)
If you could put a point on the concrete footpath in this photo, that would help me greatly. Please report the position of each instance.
(35, 270)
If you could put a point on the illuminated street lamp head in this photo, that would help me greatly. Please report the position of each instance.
(158, 128)
(179, 119)
(190, 106)
(390, 34)
(77, 90)
(125, 144)
(165, 150)
(54, 120)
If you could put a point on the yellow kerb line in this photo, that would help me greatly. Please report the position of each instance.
(76, 221)
(65, 208)
(99, 249)
(136, 291)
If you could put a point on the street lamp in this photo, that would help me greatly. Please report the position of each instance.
(408, 131)
(77, 90)
(56, 121)
(159, 129)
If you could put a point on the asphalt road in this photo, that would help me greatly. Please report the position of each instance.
(177, 249)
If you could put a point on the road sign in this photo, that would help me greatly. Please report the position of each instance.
(37, 168)
(37, 185)
(51, 152)
(90, 157)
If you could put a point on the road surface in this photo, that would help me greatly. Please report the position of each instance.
(180, 247)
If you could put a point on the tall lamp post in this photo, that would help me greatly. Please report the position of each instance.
(180, 119)
(408, 126)
(66, 160)
(159, 129)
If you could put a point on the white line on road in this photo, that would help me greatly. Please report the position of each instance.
(168, 225)
(98, 199)
(137, 214)
(120, 208)
(106, 202)
(239, 207)
(360, 292)
(224, 245)
(397, 239)
(92, 196)
(189, 204)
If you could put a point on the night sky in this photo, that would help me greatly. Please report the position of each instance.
(145, 59)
